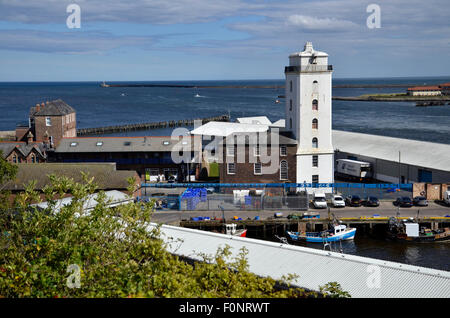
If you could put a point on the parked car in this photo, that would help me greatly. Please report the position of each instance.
(420, 201)
(337, 201)
(371, 201)
(353, 200)
(404, 202)
(319, 201)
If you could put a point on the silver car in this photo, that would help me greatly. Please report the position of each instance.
(420, 201)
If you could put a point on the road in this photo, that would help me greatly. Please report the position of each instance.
(386, 208)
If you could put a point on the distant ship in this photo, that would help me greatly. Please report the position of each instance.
(104, 84)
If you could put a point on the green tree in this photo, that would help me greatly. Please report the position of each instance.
(8, 171)
(114, 250)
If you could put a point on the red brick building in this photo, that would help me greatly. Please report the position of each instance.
(281, 168)
(49, 122)
(23, 152)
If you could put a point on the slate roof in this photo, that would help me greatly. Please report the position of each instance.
(54, 108)
(22, 147)
(105, 175)
(118, 144)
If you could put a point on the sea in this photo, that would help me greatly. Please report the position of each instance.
(97, 106)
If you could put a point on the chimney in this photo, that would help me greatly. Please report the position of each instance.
(30, 138)
(42, 105)
(47, 103)
(38, 107)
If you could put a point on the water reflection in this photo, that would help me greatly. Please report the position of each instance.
(431, 255)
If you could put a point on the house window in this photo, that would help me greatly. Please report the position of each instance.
(315, 104)
(230, 150)
(290, 104)
(283, 151)
(315, 161)
(315, 143)
(283, 170)
(15, 159)
(257, 151)
(315, 178)
(257, 168)
(315, 124)
(231, 168)
(33, 160)
(48, 121)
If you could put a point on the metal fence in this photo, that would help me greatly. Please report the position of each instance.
(214, 202)
(300, 202)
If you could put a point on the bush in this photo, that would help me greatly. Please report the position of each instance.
(113, 251)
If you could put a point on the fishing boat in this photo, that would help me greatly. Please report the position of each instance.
(230, 229)
(336, 233)
(410, 231)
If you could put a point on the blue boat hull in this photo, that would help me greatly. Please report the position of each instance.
(349, 235)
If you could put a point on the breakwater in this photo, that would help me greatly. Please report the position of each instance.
(147, 126)
(256, 86)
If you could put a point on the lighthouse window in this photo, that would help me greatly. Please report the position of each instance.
(315, 178)
(291, 86)
(315, 124)
(290, 104)
(315, 143)
(315, 104)
(257, 168)
(315, 161)
(290, 123)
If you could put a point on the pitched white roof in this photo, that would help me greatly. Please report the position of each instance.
(412, 152)
(214, 128)
(357, 275)
(262, 120)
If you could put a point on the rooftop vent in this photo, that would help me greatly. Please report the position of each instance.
(99, 143)
(73, 144)
(127, 143)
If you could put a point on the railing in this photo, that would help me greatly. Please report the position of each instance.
(308, 68)
(392, 186)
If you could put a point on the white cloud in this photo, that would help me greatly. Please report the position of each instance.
(322, 24)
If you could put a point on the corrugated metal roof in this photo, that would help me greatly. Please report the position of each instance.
(114, 198)
(315, 267)
(412, 152)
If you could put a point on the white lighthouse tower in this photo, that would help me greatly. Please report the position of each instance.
(308, 115)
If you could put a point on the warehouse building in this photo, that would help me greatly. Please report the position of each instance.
(396, 160)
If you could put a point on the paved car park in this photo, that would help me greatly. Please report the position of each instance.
(386, 208)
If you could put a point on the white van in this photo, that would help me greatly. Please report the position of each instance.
(447, 197)
(320, 201)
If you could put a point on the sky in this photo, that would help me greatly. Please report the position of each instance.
(159, 40)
